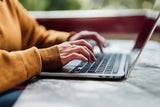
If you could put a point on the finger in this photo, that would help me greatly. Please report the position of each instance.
(92, 56)
(94, 36)
(83, 43)
(67, 48)
(100, 41)
(85, 51)
(101, 49)
(74, 56)
(98, 38)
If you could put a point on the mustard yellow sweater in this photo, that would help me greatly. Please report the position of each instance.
(20, 41)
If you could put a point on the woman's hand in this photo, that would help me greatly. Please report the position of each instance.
(79, 49)
(90, 35)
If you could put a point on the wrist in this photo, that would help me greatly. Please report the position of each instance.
(71, 34)
(50, 58)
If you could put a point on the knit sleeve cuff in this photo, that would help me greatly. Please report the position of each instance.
(50, 58)
(63, 36)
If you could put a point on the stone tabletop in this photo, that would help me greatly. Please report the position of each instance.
(142, 89)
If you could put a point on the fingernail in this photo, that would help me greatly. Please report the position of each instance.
(101, 50)
(94, 59)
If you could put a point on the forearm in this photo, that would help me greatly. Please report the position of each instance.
(52, 37)
(17, 67)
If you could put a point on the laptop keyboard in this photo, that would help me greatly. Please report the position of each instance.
(105, 64)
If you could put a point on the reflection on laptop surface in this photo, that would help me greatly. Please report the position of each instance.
(115, 66)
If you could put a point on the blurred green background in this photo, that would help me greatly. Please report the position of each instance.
(88, 4)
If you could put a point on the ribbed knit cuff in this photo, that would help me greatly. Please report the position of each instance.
(50, 58)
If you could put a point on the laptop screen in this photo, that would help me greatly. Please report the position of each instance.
(144, 35)
(148, 24)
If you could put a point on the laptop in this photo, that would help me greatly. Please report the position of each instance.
(109, 66)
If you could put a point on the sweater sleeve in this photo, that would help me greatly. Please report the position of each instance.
(16, 67)
(34, 34)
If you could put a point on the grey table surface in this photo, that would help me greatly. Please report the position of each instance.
(142, 89)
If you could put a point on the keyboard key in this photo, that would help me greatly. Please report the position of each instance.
(106, 63)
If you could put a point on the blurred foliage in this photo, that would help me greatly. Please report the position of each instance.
(51, 4)
(157, 5)
(87, 4)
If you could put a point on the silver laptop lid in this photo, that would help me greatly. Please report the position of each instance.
(146, 33)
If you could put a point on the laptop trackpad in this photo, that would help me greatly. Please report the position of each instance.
(71, 65)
